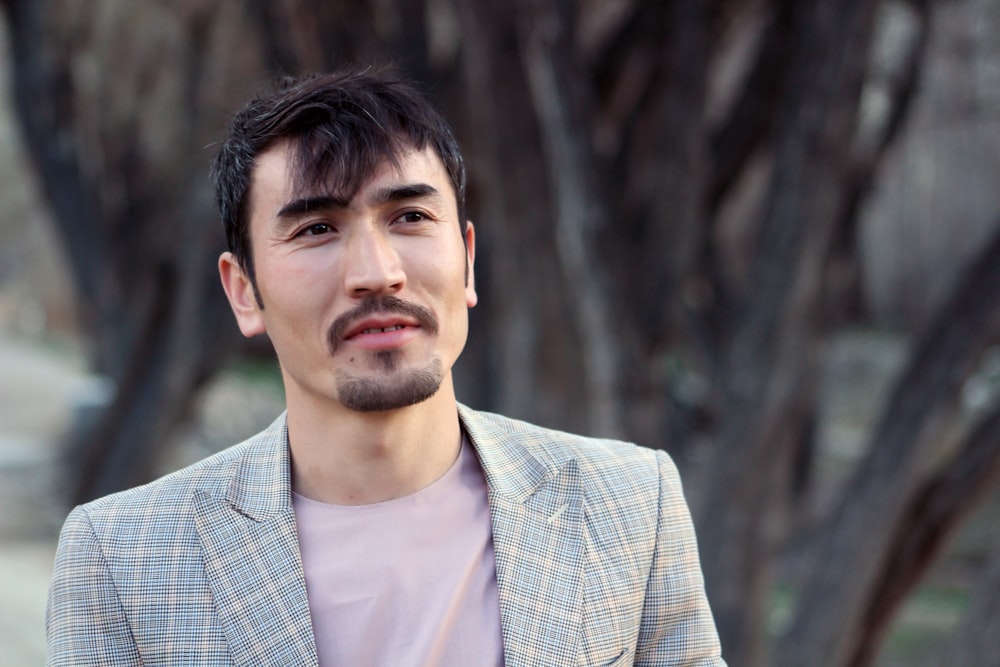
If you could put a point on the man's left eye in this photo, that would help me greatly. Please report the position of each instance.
(412, 216)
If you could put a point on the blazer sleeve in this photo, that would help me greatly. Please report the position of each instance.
(85, 623)
(677, 627)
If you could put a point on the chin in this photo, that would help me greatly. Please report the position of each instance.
(382, 394)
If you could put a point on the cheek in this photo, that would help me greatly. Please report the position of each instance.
(298, 283)
(435, 270)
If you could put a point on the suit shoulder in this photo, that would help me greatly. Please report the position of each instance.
(174, 492)
(169, 491)
(616, 461)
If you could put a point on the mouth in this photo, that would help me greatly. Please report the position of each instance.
(377, 321)
(374, 330)
(378, 325)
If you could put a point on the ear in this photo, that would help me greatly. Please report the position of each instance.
(471, 298)
(240, 292)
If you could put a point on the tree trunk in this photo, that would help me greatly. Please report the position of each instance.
(772, 356)
(506, 328)
(561, 108)
(975, 642)
(932, 515)
(132, 214)
(854, 545)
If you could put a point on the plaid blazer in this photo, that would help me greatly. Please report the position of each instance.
(595, 555)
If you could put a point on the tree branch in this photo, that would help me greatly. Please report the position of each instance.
(751, 121)
(854, 544)
(975, 642)
(933, 514)
(861, 174)
(43, 99)
(547, 56)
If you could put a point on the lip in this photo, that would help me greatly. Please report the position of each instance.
(381, 333)
(373, 326)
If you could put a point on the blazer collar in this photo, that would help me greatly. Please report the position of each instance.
(252, 560)
(261, 486)
(537, 510)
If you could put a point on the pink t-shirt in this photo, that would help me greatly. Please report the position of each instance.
(409, 581)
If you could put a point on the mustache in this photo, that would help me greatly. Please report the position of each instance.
(379, 305)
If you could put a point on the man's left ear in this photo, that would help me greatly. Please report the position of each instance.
(471, 298)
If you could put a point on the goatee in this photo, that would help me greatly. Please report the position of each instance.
(391, 391)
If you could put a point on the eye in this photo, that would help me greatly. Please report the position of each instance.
(315, 229)
(412, 216)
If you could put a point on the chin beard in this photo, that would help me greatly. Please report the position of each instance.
(394, 390)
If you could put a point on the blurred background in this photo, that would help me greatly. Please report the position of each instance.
(759, 234)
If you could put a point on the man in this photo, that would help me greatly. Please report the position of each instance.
(378, 521)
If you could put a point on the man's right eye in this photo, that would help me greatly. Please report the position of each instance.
(316, 229)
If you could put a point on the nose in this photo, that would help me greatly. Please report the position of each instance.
(372, 265)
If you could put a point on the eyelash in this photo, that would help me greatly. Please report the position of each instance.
(421, 216)
(311, 229)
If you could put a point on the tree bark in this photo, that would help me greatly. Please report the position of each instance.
(561, 107)
(933, 514)
(854, 544)
(142, 262)
(750, 123)
(845, 301)
(44, 106)
(772, 357)
(975, 642)
(507, 328)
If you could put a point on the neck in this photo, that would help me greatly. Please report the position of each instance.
(344, 457)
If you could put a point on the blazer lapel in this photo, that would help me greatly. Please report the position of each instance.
(538, 522)
(252, 558)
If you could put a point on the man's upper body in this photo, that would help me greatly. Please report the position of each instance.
(343, 199)
(596, 562)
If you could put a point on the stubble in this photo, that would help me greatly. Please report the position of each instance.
(390, 388)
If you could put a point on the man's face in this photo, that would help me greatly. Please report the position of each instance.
(365, 301)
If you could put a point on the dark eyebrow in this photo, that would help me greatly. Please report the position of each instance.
(305, 205)
(402, 192)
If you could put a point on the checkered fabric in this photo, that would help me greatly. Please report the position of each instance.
(596, 559)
